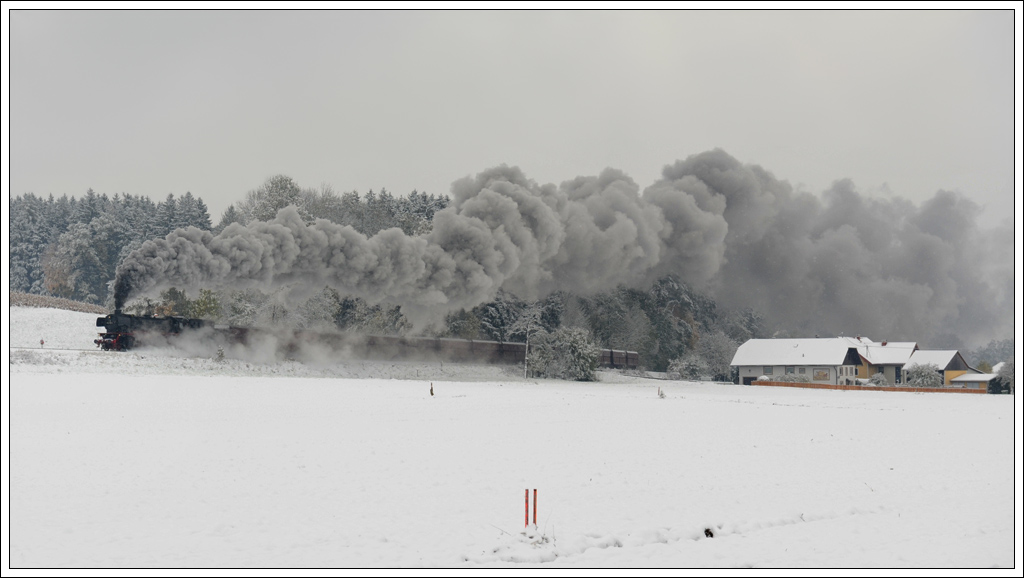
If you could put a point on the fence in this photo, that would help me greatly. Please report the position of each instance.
(869, 387)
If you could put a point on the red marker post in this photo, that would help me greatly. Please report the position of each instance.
(535, 507)
(527, 523)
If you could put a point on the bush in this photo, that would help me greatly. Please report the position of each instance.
(792, 378)
(924, 375)
(567, 353)
(879, 379)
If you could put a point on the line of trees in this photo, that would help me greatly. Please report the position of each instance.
(71, 247)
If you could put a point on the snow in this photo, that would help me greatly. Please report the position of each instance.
(152, 459)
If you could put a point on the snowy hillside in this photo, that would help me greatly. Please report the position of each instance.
(152, 459)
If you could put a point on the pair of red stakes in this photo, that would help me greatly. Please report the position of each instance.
(528, 507)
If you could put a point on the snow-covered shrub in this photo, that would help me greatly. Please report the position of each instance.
(1006, 374)
(708, 361)
(567, 353)
(879, 379)
(924, 375)
(792, 378)
(690, 366)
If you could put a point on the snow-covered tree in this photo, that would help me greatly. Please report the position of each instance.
(351, 210)
(243, 307)
(462, 324)
(277, 311)
(276, 193)
(165, 219)
(319, 311)
(191, 213)
(29, 238)
(717, 350)
(924, 375)
(568, 353)
(573, 314)
(229, 216)
(496, 318)
(89, 207)
(322, 203)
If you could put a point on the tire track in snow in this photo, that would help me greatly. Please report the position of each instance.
(533, 547)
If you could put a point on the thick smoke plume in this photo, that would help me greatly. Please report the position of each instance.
(838, 263)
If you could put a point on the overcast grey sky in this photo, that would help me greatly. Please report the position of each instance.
(158, 102)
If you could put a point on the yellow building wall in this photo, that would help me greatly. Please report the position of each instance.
(951, 373)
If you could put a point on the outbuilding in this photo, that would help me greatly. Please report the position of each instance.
(949, 361)
(973, 380)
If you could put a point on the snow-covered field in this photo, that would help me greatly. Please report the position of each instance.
(152, 459)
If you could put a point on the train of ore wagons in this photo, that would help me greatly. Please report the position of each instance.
(124, 331)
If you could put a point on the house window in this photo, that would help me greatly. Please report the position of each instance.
(767, 370)
(790, 369)
(803, 370)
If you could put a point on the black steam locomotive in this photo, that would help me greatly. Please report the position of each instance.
(124, 332)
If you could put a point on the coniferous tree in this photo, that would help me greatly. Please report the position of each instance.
(230, 215)
(165, 219)
(498, 316)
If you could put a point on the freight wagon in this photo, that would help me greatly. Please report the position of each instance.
(124, 332)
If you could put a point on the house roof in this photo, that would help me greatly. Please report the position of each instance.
(937, 357)
(827, 351)
(891, 353)
(971, 377)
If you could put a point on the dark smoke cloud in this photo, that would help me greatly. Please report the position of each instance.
(846, 263)
(502, 230)
(839, 263)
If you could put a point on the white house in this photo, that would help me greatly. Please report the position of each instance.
(829, 360)
(840, 360)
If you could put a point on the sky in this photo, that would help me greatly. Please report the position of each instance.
(214, 102)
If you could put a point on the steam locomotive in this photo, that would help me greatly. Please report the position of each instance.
(125, 331)
(122, 330)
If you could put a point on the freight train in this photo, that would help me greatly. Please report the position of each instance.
(125, 331)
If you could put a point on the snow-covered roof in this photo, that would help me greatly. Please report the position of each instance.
(826, 351)
(891, 353)
(997, 367)
(937, 357)
(986, 377)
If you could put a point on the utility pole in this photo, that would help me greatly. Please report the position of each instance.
(526, 357)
